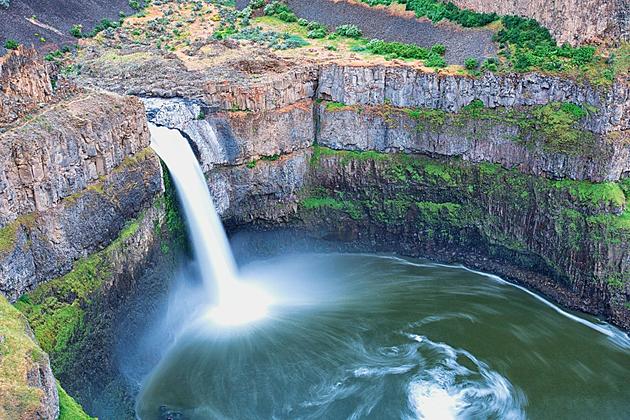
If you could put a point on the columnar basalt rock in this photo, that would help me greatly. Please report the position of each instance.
(65, 148)
(43, 245)
(571, 21)
(25, 84)
(495, 139)
(222, 137)
(404, 86)
(71, 176)
(274, 91)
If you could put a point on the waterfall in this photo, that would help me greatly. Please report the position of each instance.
(237, 302)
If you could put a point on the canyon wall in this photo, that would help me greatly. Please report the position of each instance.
(72, 172)
(82, 214)
(418, 163)
(571, 21)
(406, 87)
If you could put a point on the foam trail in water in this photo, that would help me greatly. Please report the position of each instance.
(616, 336)
(237, 302)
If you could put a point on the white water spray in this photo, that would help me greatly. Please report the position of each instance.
(237, 302)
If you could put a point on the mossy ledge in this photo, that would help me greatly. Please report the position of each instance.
(546, 140)
(574, 234)
(71, 316)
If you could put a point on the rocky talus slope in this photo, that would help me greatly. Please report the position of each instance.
(572, 21)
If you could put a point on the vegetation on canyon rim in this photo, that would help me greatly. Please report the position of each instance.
(524, 44)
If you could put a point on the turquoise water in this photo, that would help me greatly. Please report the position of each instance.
(369, 336)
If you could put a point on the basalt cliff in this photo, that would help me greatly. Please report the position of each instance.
(525, 175)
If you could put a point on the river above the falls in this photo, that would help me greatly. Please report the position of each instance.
(373, 336)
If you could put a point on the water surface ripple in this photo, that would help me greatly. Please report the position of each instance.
(369, 336)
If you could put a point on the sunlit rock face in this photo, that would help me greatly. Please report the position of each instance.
(71, 177)
(25, 84)
(238, 136)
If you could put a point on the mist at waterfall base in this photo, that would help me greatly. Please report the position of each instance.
(236, 302)
(366, 336)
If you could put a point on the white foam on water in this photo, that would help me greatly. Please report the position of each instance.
(446, 389)
(615, 335)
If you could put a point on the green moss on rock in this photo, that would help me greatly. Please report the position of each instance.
(19, 354)
(56, 309)
(69, 409)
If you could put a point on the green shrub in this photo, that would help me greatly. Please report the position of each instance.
(490, 64)
(135, 5)
(351, 31)
(438, 49)
(316, 33)
(281, 11)
(302, 22)
(524, 43)
(5, 3)
(256, 4)
(397, 50)
(77, 31)
(471, 63)
(435, 61)
(275, 40)
(11, 44)
(437, 11)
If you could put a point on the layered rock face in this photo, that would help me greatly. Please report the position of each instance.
(24, 84)
(477, 136)
(402, 86)
(71, 175)
(571, 21)
(65, 148)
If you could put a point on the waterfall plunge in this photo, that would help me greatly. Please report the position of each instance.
(237, 302)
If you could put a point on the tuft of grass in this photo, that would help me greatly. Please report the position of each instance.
(350, 207)
(335, 106)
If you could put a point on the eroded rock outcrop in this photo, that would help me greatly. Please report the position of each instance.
(221, 137)
(65, 148)
(43, 245)
(71, 176)
(25, 84)
(497, 136)
(572, 21)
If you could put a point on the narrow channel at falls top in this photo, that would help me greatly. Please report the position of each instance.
(235, 302)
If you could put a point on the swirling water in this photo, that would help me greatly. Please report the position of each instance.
(371, 336)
